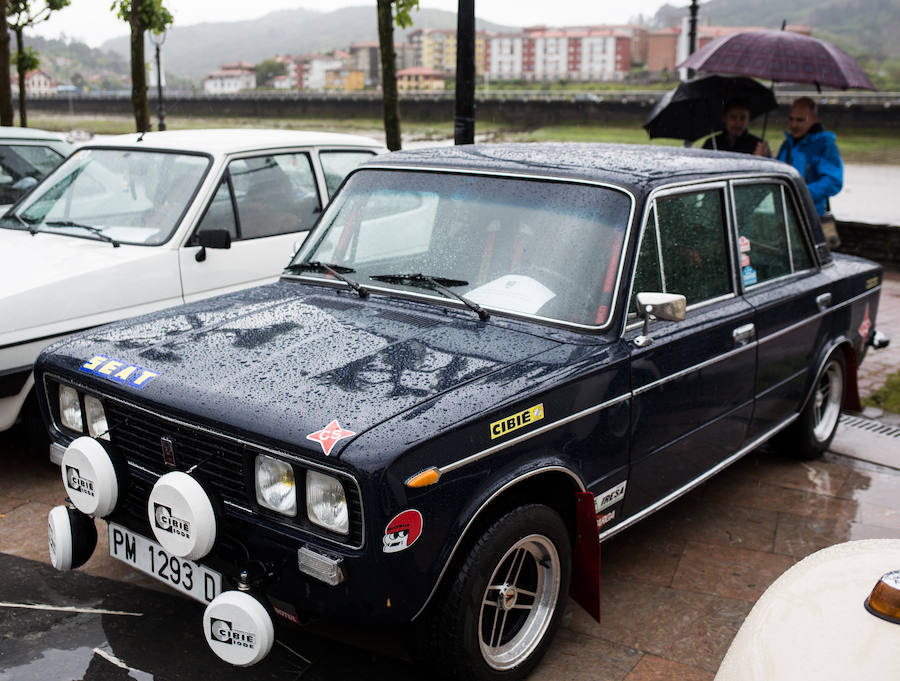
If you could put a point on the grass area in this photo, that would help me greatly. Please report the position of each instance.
(857, 146)
(887, 397)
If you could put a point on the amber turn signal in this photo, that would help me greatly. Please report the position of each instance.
(884, 601)
(425, 478)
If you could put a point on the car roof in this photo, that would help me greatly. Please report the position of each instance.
(231, 140)
(635, 166)
(10, 132)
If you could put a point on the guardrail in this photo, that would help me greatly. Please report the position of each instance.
(647, 96)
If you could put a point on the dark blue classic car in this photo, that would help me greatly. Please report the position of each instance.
(481, 363)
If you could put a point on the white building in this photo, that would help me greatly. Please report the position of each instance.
(229, 81)
(315, 69)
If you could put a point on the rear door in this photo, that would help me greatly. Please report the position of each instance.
(780, 280)
(693, 385)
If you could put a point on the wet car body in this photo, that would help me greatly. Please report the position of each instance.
(429, 410)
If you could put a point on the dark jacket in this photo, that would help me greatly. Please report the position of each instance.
(745, 144)
(817, 159)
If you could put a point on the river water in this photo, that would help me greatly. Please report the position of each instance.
(871, 194)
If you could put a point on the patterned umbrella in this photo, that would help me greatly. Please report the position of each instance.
(781, 56)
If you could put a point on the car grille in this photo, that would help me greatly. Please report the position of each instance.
(223, 464)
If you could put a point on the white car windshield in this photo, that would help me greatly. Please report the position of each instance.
(120, 195)
(541, 248)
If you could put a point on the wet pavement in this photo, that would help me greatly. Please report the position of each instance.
(676, 587)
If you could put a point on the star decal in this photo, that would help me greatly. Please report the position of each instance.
(865, 326)
(329, 435)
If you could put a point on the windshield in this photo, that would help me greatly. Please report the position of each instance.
(22, 166)
(129, 196)
(549, 249)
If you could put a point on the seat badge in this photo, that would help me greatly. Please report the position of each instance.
(168, 451)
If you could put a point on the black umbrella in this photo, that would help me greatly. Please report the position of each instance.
(695, 108)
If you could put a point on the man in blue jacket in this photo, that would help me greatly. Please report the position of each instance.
(813, 152)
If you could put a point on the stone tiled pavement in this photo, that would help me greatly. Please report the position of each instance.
(676, 587)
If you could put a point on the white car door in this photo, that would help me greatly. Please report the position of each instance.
(267, 203)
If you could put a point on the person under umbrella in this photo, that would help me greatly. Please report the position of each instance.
(812, 150)
(735, 136)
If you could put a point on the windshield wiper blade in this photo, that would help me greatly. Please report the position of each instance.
(442, 284)
(89, 228)
(337, 271)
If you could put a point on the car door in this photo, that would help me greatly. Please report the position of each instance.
(788, 291)
(693, 384)
(267, 203)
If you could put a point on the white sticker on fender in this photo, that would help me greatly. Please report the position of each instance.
(610, 497)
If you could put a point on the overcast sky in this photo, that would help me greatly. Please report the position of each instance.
(92, 22)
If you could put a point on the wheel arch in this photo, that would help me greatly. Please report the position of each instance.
(554, 485)
(843, 345)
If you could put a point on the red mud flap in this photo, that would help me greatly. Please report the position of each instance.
(586, 559)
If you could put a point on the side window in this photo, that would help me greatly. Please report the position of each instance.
(762, 235)
(336, 165)
(220, 213)
(646, 273)
(694, 245)
(275, 194)
(799, 254)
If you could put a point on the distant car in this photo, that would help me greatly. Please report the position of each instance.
(141, 222)
(482, 362)
(833, 616)
(27, 155)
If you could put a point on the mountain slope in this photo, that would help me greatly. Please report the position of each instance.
(194, 50)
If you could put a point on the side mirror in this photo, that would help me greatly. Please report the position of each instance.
(211, 238)
(671, 307)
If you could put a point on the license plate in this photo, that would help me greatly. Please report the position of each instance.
(196, 580)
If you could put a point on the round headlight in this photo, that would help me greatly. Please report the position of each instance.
(326, 503)
(70, 408)
(96, 418)
(275, 488)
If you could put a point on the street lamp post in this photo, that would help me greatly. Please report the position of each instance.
(158, 39)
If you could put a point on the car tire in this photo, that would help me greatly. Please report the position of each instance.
(811, 434)
(498, 616)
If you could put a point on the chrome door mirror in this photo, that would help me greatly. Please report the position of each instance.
(671, 307)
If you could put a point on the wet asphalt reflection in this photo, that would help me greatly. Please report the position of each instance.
(76, 627)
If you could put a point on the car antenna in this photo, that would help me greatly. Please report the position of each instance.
(141, 136)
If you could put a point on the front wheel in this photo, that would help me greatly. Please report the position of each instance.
(811, 434)
(501, 611)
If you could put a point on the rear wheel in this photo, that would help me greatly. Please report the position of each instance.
(811, 434)
(498, 616)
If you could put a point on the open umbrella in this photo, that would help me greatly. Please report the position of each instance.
(694, 109)
(781, 56)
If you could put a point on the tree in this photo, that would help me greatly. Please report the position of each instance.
(21, 15)
(267, 69)
(390, 11)
(142, 16)
(6, 107)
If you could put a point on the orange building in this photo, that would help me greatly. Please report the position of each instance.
(420, 78)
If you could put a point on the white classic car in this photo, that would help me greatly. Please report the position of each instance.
(142, 222)
(27, 155)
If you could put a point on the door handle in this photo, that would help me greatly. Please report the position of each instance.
(744, 334)
(823, 301)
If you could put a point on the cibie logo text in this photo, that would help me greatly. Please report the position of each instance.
(516, 421)
(76, 483)
(223, 632)
(118, 372)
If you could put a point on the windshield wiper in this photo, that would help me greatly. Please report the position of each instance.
(442, 284)
(337, 271)
(89, 228)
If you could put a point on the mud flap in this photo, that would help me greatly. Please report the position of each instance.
(586, 556)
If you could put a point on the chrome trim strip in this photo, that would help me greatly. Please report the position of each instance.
(534, 433)
(340, 473)
(818, 315)
(665, 501)
(56, 453)
(521, 176)
(239, 507)
(514, 481)
(695, 367)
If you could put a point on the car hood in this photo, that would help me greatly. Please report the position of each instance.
(50, 278)
(281, 362)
